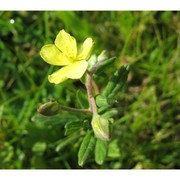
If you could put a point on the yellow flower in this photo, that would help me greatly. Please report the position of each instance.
(64, 52)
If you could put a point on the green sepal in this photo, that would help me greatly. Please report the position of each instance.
(100, 127)
(86, 147)
(100, 151)
(92, 61)
(102, 56)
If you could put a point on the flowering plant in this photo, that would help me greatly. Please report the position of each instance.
(75, 63)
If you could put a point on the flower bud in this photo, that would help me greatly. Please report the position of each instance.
(92, 61)
(100, 127)
(49, 109)
(103, 56)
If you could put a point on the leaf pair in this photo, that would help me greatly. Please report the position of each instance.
(89, 144)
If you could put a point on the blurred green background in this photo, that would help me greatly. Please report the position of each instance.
(146, 132)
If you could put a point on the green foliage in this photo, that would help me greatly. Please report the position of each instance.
(72, 127)
(53, 120)
(100, 151)
(86, 147)
(117, 81)
(144, 112)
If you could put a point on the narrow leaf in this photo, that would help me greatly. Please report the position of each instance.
(71, 127)
(105, 64)
(117, 81)
(100, 151)
(101, 65)
(103, 101)
(86, 147)
(53, 120)
(122, 78)
(82, 99)
(67, 140)
(109, 114)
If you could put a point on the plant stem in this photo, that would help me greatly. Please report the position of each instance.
(74, 109)
(92, 103)
(95, 86)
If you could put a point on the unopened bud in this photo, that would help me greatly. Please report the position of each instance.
(100, 127)
(92, 61)
(49, 109)
(103, 56)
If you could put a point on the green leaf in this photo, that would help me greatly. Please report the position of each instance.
(86, 147)
(117, 81)
(100, 151)
(82, 99)
(67, 140)
(105, 64)
(1, 111)
(71, 127)
(39, 147)
(53, 120)
(109, 114)
(83, 79)
(113, 149)
(104, 101)
(122, 78)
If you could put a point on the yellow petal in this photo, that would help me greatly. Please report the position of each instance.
(77, 69)
(51, 54)
(67, 44)
(72, 71)
(58, 76)
(85, 49)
